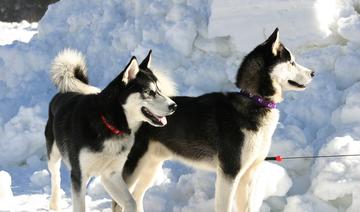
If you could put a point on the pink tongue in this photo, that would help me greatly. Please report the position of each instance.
(163, 120)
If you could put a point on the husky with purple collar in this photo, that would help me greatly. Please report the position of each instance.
(92, 131)
(229, 133)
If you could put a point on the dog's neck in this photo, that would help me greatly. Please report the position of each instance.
(112, 128)
(269, 104)
(113, 125)
(113, 115)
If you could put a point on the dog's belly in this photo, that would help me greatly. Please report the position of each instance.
(161, 152)
(111, 158)
(256, 147)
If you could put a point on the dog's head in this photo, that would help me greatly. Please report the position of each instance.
(140, 96)
(271, 69)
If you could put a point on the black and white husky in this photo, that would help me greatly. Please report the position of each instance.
(229, 133)
(93, 131)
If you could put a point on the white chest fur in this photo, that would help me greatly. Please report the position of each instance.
(257, 143)
(111, 158)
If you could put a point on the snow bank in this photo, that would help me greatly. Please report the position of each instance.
(22, 136)
(200, 44)
(6, 193)
(22, 31)
(250, 22)
(5, 186)
(337, 178)
(269, 180)
(40, 178)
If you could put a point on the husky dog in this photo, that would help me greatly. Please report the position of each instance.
(93, 131)
(229, 133)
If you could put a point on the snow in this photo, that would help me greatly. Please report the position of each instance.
(349, 28)
(22, 31)
(5, 185)
(249, 22)
(200, 44)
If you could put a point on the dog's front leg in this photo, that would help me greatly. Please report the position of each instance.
(118, 190)
(243, 193)
(224, 191)
(78, 190)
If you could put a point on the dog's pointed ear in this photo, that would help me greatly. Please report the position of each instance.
(131, 70)
(274, 42)
(146, 63)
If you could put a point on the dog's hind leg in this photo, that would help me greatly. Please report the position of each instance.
(78, 187)
(243, 192)
(54, 164)
(118, 190)
(224, 191)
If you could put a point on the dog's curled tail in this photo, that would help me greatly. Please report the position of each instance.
(69, 73)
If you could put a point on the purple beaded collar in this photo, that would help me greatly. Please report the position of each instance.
(258, 99)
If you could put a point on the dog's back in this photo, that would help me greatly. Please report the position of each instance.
(69, 75)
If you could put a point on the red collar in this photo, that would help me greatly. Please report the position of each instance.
(113, 129)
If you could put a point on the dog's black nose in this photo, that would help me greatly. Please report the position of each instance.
(172, 107)
(312, 74)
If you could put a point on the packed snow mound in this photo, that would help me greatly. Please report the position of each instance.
(22, 31)
(22, 136)
(339, 17)
(335, 181)
(263, 186)
(6, 193)
(338, 178)
(249, 22)
(303, 24)
(200, 44)
(5, 185)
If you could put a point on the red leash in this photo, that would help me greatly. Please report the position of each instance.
(280, 158)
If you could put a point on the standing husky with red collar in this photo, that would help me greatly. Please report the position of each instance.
(229, 133)
(93, 131)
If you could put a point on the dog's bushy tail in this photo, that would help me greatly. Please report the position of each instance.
(69, 73)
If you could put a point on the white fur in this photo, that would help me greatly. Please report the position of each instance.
(131, 71)
(54, 164)
(165, 83)
(62, 72)
(224, 191)
(255, 149)
(109, 159)
(158, 106)
(276, 44)
(133, 111)
(286, 71)
(109, 162)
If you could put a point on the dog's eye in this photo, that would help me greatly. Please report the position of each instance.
(152, 93)
(292, 63)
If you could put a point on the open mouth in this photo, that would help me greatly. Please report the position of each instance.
(293, 83)
(155, 119)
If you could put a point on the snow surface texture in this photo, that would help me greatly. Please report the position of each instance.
(200, 44)
(22, 31)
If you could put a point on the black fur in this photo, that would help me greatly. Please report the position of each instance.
(80, 75)
(211, 125)
(201, 128)
(75, 119)
(254, 72)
